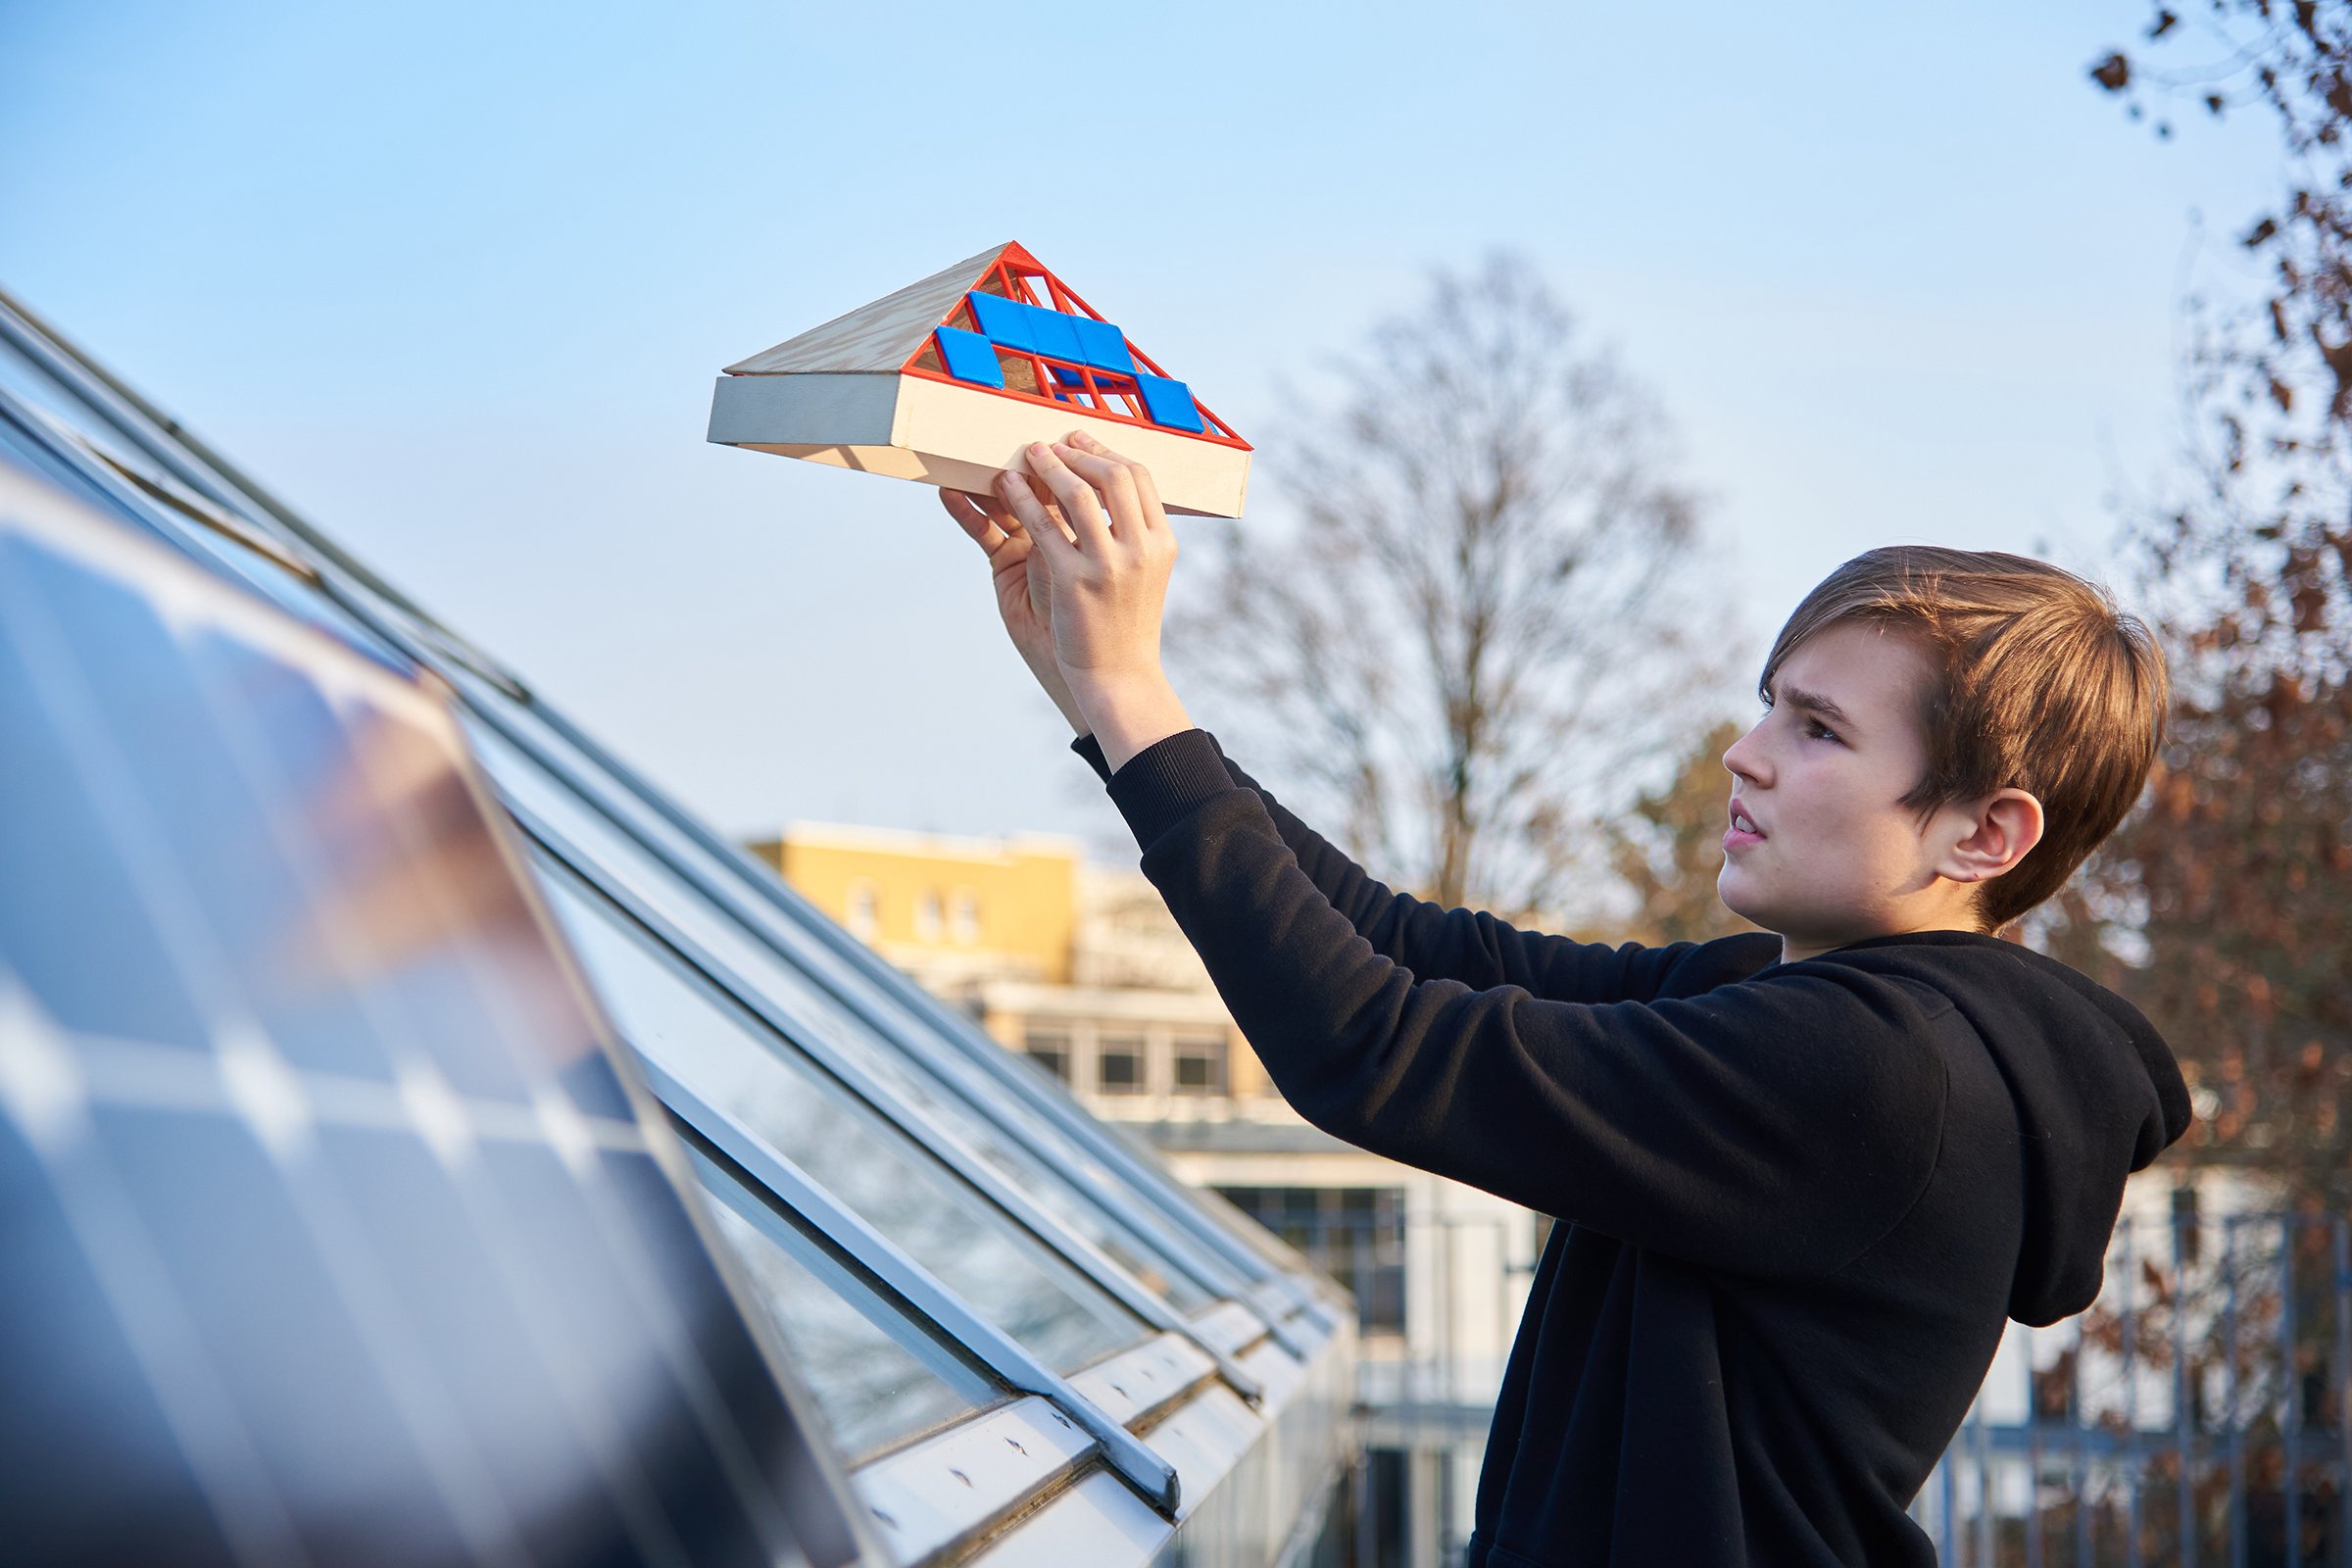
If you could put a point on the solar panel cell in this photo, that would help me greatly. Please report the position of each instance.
(969, 357)
(1169, 403)
(1102, 345)
(1007, 323)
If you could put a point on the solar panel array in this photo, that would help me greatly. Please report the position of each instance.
(333, 1235)
(422, 1140)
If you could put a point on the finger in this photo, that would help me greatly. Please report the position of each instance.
(1081, 507)
(1044, 529)
(985, 530)
(1110, 481)
(1146, 490)
(1012, 481)
(998, 513)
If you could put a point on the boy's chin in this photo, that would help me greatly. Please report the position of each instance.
(1746, 901)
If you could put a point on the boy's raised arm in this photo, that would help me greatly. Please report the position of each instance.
(1436, 943)
(1776, 1127)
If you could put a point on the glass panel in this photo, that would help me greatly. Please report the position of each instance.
(843, 975)
(898, 1188)
(821, 1018)
(75, 457)
(877, 1377)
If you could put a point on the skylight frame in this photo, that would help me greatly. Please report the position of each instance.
(977, 1069)
(1042, 1225)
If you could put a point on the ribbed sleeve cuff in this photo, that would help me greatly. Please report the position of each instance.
(1091, 748)
(1166, 782)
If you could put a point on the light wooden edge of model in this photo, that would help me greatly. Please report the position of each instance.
(958, 438)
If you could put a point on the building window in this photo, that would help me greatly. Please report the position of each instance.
(1353, 1234)
(963, 914)
(927, 922)
(1050, 1051)
(865, 911)
(1119, 1065)
(1200, 1065)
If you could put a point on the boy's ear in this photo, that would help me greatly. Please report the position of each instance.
(2008, 824)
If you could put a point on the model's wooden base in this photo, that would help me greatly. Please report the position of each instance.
(959, 438)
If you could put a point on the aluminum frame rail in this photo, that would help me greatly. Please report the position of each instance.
(912, 1052)
(985, 1059)
(899, 1275)
(1047, 1228)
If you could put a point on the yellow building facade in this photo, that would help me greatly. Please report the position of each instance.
(1077, 966)
(941, 905)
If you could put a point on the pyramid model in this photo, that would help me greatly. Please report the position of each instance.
(950, 378)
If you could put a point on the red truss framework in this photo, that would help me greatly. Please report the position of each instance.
(1018, 275)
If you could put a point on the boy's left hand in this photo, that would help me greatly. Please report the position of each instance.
(1107, 580)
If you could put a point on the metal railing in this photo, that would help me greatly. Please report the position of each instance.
(1437, 1301)
(2195, 1417)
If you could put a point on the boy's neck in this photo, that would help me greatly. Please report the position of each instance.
(1942, 906)
(1795, 949)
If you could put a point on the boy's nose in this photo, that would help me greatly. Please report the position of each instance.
(1743, 757)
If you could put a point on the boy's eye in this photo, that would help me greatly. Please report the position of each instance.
(1813, 726)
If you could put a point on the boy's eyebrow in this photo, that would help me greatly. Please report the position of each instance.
(1816, 703)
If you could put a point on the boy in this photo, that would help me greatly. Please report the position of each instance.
(1804, 1174)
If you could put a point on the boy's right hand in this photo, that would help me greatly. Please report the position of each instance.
(1023, 599)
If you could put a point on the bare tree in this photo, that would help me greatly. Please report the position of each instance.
(2232, 890)
(1486, 618)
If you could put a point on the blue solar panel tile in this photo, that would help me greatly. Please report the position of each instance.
(1003, 322)
(1170, 403)
(1053, 335)
(969, 357)
(1102, 345)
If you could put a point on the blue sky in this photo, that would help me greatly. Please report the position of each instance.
(454, 280)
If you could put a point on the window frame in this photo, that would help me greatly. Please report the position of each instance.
(1046, 1229)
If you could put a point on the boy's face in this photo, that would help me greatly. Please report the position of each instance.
(1835, 856)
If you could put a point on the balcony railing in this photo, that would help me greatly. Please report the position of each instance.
(2193, 1418)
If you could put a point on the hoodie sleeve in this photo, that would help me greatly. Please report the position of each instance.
(1774, 1126)
(1435, 942)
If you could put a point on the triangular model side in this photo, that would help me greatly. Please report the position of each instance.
(880, 336)
(1075, 376)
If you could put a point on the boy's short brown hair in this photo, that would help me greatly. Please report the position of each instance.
(2041, 684)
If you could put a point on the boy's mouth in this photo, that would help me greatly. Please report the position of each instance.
(1743, 830)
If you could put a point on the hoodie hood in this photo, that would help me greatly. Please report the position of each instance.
(2097, 1093)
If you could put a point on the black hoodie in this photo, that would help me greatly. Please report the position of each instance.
(1799, 1198)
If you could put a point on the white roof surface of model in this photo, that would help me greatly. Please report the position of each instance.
(881, 336)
